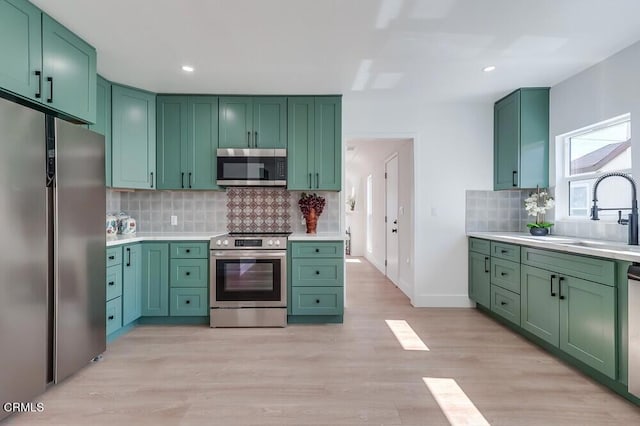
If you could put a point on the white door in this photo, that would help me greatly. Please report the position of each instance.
(391, 214)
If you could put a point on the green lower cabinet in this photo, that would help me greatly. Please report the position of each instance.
(189, 273)
(479, 278)
(131, 283)
(506, 304)
(317, 300)
(588, 323)
(155, 279)
(114, 315)
(187, 302)
(505, 274)
(539, 304)
(318, 272)
(114, 281)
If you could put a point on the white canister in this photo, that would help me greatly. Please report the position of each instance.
(112, 224)
(129, 226)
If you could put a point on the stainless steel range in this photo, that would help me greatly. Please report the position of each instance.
(249, 280)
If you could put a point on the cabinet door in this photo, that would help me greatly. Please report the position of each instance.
(133, 138)
(539, 307)
(103, 122)
(21, 47)
(236, 122)
(588, 323)
(269, 122)
(203, 142)
(155, 279)
(479, 279)
(300, 142)
(171, 139)
(132, 284)
(69, 71)
(534, 138)
(328, 144)
(506, 140)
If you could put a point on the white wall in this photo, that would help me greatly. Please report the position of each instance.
(603, 91)
(453, 152)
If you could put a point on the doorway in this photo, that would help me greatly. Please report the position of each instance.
(370, 197)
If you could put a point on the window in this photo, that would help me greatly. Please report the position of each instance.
(588, 154)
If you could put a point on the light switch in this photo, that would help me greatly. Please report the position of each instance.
(174, 220)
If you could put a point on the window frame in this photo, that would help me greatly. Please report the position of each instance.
(563, 167)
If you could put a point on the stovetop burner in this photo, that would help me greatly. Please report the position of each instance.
(259, 234)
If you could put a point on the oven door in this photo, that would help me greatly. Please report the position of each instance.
(248, 278)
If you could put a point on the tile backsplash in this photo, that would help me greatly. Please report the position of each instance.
(259, 209)
(496, 211)
(504, 211)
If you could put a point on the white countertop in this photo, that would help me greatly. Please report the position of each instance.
(329, 236)
(591, 247)
(168, 236)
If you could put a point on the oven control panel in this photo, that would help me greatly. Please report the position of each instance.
(238, 243)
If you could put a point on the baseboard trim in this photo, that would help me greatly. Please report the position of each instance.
(442, 301)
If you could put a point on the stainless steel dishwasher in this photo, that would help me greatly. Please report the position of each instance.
(633, 274)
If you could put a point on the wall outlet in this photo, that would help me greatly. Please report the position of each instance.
(174, 220)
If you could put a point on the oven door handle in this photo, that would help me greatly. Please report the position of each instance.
(247, 254)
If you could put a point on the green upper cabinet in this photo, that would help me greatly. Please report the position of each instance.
(103, 122)
(133, 138)
(21, 47)
(69, 71)
(187, 140)
(253, 122)
(521, 139)
(314, 143)
(45, 62)
(171, 141)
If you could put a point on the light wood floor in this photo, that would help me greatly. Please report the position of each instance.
(350, 374)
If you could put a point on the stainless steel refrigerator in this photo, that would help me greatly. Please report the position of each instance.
(52, 256)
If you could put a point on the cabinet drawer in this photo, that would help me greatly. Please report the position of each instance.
(480, 246)
(187, 302)
(189, 250)
(505, 274)
(317, 249)
(114, 256)
(114, 315)
(114, 282)
(317, 300)
(506, 304)
(588, 268)
(189, 273)
(505, 251)
(317, 272)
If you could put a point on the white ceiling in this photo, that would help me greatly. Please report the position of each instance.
(406, 49)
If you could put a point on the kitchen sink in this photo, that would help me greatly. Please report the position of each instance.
(604, 245)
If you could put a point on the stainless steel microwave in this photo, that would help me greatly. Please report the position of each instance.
(251, 167)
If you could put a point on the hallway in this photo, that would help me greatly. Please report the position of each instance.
(351, 374)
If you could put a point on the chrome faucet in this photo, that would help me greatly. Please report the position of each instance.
(632, 220)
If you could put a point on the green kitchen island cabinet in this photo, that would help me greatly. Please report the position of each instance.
(316, 282)
(314, 146)
(155, 279)
(521, 140)
(103, 122)
(253, 122)
(46, 63)
(187, 139)
(133, 138)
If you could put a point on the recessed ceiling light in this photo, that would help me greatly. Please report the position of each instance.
(187, 68)
(489, 68)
